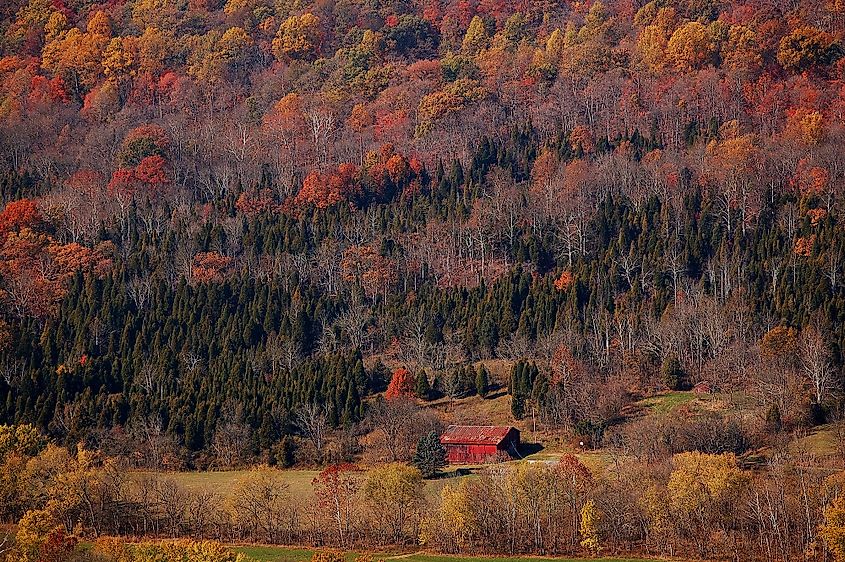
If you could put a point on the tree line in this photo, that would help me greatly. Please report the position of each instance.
(692, 503)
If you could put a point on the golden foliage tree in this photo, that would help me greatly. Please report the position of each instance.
(299, 37)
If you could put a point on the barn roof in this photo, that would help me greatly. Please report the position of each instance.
(475, 434)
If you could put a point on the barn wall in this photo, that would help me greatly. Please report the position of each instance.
(457, 454)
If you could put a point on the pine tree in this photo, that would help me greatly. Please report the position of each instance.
(482, 381)
(430, 455)
(423, 389)
(518, 406)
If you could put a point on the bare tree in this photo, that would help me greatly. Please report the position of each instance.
(172, 503)
(321, 125)
(203, 507)
(259, 502)
(676, 268)
(414, 344)
(392, 418)
(327, 264)
(282, 351)
(313, 420)
(352, 323)
(11, 371)
(156, 444)
(816, 363)
(140, 290)
(190, 360)
(628, 265)
(515, 347)
(833, 269)
(231, 437)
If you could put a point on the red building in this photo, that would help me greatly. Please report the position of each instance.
(469, 444)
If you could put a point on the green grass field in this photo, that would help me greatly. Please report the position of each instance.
(287, 554)
(668, 401)
(823, 442)
(222, 482)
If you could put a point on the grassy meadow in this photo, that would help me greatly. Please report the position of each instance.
(289, 554)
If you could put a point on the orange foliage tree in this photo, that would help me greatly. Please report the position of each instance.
(401, 384)
(375, 273)
(19, 214)
(325, 190)
(210, 267)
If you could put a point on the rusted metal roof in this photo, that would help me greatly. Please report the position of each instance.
(475, 434)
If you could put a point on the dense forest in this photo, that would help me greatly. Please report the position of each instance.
(265, 231)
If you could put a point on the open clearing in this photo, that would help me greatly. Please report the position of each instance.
(666, 402)
(222, 482)
(287, 554)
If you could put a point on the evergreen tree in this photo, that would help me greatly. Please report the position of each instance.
(423, 389)
(430, 455)
(482, 381)
(673, 373)
(518, 406)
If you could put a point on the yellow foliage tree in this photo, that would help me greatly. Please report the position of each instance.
(451, 99)
(741, 51)
(258, 502)
(184, 551)
(456, 515)
(298, 38)
(112, 549)
(100, 25)
(654, 38)
(33, 529)
(554, 47)
(395, 491)
(33, 15)
(805, 125)
(22, 439)
(120, 60)
(56, 25)
(77, 57)
(154, 48)
(155, 13)
(690, 47)
(703, 488)
(327, 555)
(832, 531)
(591, 517)
(806, 47)
(476, 37)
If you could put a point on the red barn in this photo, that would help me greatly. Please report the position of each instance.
(468, 444)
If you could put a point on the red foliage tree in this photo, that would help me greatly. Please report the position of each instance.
(335, 488)
(20, 214)
(154, 173)
(563, 282)
(86, 182)
(58, 546)
(122, 183)
(210, 267)
(152, 133)
(254, 202)
(325, 190)
(401, 384)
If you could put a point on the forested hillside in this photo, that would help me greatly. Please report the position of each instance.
(306, 233)
(222, 211)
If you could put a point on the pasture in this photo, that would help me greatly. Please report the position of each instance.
(222, 482)
(291, 554)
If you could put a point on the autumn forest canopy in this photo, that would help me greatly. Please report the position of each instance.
(308, 234)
